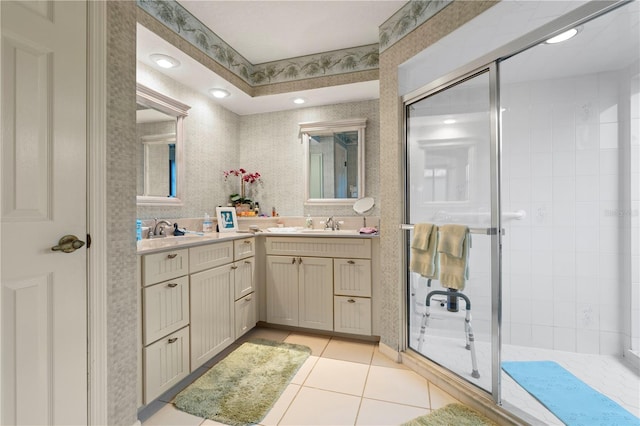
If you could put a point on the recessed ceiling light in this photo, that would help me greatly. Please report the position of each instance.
(299, 101)
(449, 121)
(219, 93)
(164, 61)
(562, 36)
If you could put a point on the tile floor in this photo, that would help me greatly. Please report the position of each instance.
(343, 382)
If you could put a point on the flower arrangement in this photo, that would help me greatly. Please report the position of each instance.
(245, 178)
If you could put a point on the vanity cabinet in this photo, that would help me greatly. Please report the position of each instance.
(195, 302)
(165, 321)
(319, 283)
(300, 291)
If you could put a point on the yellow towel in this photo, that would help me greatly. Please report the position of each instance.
(453, 251)
(423, 250)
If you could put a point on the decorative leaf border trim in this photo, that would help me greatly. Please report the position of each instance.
(407, 18)
(363, 58)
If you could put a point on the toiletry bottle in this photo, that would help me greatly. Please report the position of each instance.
(207, 225)
(257, 209)
(138, 230)
(273, 212)
(309, 222)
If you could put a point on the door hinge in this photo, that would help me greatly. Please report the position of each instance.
(88, 240)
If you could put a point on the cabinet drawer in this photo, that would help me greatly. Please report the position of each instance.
(210, 256)
(359, 248)
(244, 248)
(246, 318)
(164, 266)
(352, 315)
(165, 308)
(166, 362)
(244, 277)
(352, 277)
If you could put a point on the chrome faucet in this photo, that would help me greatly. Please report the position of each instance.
(155, 233)
(332, 224)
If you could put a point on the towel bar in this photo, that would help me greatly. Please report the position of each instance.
(481, 231)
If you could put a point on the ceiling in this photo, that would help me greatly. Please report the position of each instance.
(264, 31)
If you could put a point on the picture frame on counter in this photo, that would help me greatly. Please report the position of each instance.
(227, 219)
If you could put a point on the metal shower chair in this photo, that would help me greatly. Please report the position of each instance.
(452, 300)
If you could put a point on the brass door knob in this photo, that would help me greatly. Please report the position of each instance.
(68, 244)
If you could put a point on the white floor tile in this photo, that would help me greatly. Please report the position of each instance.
(169, 415)
(381, 413)
(349, 350)
(281, 405)
(316, 343)
(304, 371)
(439, 398)
(338, 376)
(319, 407)
(395, 385)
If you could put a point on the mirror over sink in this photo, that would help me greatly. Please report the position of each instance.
(334, 161)
(159, 130)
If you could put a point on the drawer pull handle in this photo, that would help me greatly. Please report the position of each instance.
(172, 255)
(248, 299)
(299, 261)
(351, 301)
(351, 262)
(173, 340)
(247, 242)
(234, 267)
(172, 285)
(247, 262)
(293, 260)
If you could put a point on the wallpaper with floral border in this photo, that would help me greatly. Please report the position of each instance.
(360, 58)
(410, 16)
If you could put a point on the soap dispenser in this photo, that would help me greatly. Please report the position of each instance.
(309, 222)
(207, 225)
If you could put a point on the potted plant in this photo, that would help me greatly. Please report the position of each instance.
(240, 200)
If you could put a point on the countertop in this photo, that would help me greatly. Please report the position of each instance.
(155, 245)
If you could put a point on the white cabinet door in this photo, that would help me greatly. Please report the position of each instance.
(315, 293)
(244, 277)
(166, 308)
(212, 313)
(166, 363)
(353, 315)
(209, 256)
(352, 277)
(282, 290)
(246, 315)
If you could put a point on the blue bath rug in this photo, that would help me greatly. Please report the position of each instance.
(567, 397)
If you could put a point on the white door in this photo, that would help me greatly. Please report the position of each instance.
(43, 159)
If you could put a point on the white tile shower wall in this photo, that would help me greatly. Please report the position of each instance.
(567, 266)
(270, 144)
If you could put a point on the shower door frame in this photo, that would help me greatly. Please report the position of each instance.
(488, 63)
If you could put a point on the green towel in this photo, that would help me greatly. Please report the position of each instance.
(453, 252)
(424, 256)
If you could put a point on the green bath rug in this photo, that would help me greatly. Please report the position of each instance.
(452, 415)
(241, 389)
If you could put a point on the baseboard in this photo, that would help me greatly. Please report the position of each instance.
(389, 352)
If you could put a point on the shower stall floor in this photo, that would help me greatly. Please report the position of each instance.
(608, 375)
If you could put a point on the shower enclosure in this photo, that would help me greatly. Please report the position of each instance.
(536, 149)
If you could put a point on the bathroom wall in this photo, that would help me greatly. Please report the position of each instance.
(270, 144)
(210, 146)
(217, 139)
(569, 161)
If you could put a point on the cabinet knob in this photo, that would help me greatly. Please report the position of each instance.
(351, 301)
(172, 255)
(173, 340)
(293, 260)
(172, 285)
(351, 262)
(299, 261)
(248, 299)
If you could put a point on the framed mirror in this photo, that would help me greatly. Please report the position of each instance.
(159, 130)
(334, 161)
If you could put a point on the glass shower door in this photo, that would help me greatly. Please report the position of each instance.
(451, 162)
